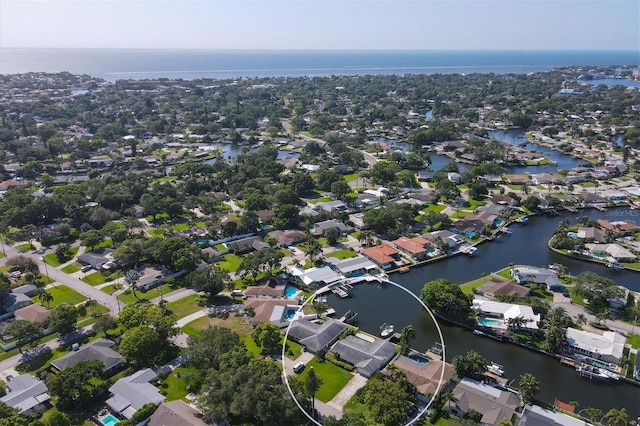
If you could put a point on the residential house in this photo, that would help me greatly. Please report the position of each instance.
(316, 276)
(615, 196)
(444, 237)
(149, 278)
(131, 393)
(416, 248)
(244, 245)
(176, 413)
(494, 404)
(367, 355)
(383, 255)
(319, 228)
(611, 252)
(453, 177)
(307, 211)
(288, 237)
(530, 274)
(490, 180)
(424, 375)
(534, 415)
(331, 206)
(503, 200)
(608, 347)
(354, 266)
(592, 199)
(268, 310)
(270, 288)
(543, 179)
(316, 337)
(518, 180)
(25, 393)
(425, 196)
(26, 289)
(468, 227)
(620, 227)
(99, 349)
(34, 313)
(13, 302)
(425, 175)
(498, 286)
(591, 233)
(265, 217)
(96, 258)
(507, 311)
(13, 183)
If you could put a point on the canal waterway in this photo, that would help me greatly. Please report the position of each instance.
(377, 304)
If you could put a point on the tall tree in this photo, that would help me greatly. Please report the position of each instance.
(529, 387)
(268, 337)
(312, 384)
(406, 335)
(25, 331)
(63, 318)
(206, 350)
(77, 385)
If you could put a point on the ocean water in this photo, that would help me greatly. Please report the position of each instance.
(115, 64)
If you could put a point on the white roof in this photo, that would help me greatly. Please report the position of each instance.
(352, 264)
(324, 275)
(508, 311)
(25, 392)
(610, 343)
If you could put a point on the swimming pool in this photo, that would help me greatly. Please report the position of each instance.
(290, 314)
(489, 322)
(572, 235)
(420, 358)
(290, 291)
(109, 420)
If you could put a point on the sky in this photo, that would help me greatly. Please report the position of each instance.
(323, 24)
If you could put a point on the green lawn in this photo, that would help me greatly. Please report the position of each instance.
(71, 268)
(634, 340)
(62, 294)
(25, 247)
(104, 244)
(468, 287)
(333, 378)
(180, 226)
(177, 383)
(128, 297)
(251, 345)
(183, 307)
(52, 259)
(342, 254)
(110, 289)
(194, 327)
(230, 262)
(320, 200)
(157, 233)
(436, 208)
(98, 278)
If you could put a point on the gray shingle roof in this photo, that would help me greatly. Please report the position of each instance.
(99, 350)
(367, 357)
(316, 337)
(134, 391)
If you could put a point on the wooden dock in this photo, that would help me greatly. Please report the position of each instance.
(569, 361)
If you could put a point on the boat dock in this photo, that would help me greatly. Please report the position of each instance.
(600, 208)
(569, 361)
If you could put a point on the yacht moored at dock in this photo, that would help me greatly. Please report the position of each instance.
(386, 330)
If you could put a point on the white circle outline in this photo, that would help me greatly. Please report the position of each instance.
(409, 292)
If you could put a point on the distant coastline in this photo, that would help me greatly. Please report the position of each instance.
(115, 64)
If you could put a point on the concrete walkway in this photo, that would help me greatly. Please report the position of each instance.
(347, 392)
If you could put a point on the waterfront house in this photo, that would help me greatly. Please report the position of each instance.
(507, 311)
(494, 404)
(499, 286)
(543, 179)
(352, 267)
(319, 228)
(176, 413)
(592, 199)
(424, 375)
(367, 354)
(468, 227)
(620, 227)
(270, 288)
(383, 255)
(503, 200)
(316, 337)
(444, 237)
(591, 233)
(316, 276)
(607, 347)
(131, 393)
(99, 349)
(417, 248)
(611, 252)
(531, 274)
(25, 393)
(534, 415)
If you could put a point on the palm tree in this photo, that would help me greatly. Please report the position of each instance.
(31, 267)
(44, 297)
(529, 387)
(131, 278)
(313, 249)
(581, 319)
(447, 398)
(617, 417)
(603, 315)
(406, 335)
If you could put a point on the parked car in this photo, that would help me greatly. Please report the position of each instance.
(298, 367)
(86, 268)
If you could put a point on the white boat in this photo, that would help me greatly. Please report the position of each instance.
(615, 265)
(495, 368)
(592, 372)
(468, 250)
(386, 330)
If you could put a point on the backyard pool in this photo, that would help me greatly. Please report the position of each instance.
(572, 235)
(489, 322)
(290, 291)
(109, 420)
(420, 358)
(290, 313)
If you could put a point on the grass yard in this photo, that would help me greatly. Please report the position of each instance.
(52, 260)
(71, 268)
(436, 208)
(104, 244)
(634, 340)
(233, 322)
(251, 345)
(468, 287)
(25, 247)
(320, 200)
(97, 278)
(183, 307)
(157, 233)
(342, 254)
(177, 383)
(230, 262)
(62, 294)
(128, 297)
(180, 226)
(333, 377)
(111, 288)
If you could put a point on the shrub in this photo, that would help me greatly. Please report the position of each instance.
(334, 358)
